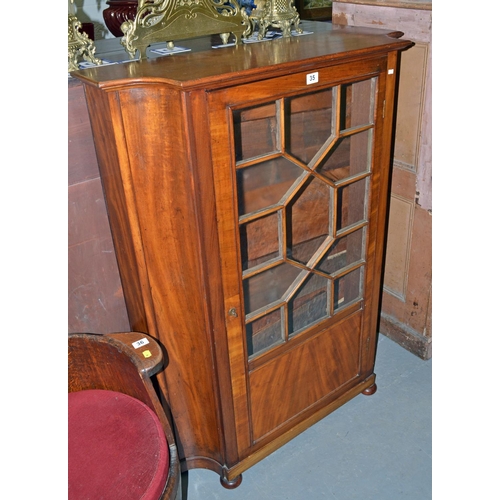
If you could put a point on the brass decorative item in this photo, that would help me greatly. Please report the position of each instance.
(170, 20)
(280, 14)
(79, 44)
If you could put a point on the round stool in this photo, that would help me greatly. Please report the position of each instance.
(116, 448)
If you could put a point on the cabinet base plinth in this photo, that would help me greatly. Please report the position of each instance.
(231, 485)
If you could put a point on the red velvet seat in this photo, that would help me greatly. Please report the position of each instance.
(121, 445)
(117, 448)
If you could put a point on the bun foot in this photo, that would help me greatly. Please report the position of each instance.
(230, 485)
(370, 390)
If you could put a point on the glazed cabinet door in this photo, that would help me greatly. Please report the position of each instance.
(299, 167)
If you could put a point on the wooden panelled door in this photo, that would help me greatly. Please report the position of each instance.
(299, 184)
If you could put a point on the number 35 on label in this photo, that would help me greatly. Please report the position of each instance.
(312, 78)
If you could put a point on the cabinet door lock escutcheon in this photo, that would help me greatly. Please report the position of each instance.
(232, 312)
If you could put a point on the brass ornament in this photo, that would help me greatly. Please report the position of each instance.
(170, 20)
(280, 14)
(79, 44)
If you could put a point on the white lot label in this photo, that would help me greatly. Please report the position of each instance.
(140, 343)
(312, 78)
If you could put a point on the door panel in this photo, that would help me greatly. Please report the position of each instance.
(320, 366)
(293, 179)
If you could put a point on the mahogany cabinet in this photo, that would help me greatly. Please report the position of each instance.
(247, 192)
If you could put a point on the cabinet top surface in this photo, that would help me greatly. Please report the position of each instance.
(204, 66)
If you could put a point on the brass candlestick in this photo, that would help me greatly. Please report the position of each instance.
(79, 44)
(277, 14)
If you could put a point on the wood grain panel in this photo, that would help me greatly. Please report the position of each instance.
(413, 313)
(95, 295)
(303, 376)
(410, 99)
(87, 216)
(398, 247)
(82, 161)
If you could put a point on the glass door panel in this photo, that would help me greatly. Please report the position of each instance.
(309, 123)
(260, 241)
(349, 156)
(346, 251)
(303, 172)
(267, 287)
(255, 131)
(357, 104)
(265, 332)
(348, 289)
(263, 185)
(352, 204)
(310, 304)
(306, 234)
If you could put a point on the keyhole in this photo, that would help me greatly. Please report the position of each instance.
(232, 312)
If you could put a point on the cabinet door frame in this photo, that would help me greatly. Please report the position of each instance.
(220, 105)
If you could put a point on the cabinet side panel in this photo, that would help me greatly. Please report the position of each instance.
(378, 209)
(161, 176)
(290, 384)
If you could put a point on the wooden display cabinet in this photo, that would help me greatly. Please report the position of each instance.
(247, 193)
